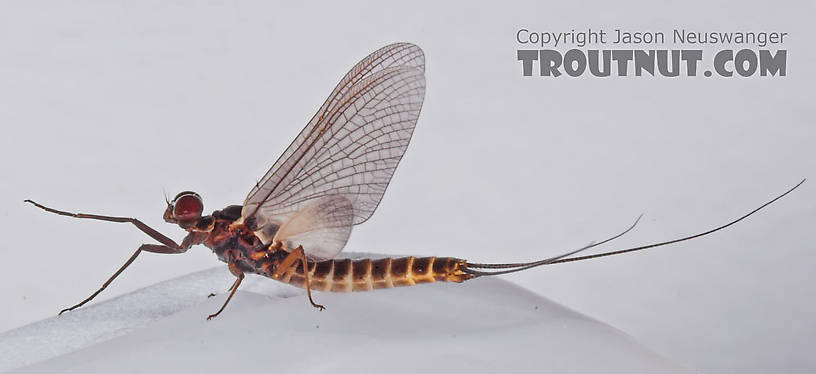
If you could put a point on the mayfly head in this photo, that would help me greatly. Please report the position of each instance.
(185, 209)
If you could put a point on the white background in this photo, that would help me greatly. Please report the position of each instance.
(103, 105)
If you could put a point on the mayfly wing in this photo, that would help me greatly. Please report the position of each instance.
(347, 152)
(323, 226)
(284, 170)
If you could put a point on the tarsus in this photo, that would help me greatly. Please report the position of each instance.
(514, 267)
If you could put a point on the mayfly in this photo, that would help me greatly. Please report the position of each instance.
(298, 217)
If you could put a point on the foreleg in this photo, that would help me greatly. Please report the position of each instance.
(161, 238)
(155, 248)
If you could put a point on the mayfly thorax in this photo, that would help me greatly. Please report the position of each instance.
(298, 217)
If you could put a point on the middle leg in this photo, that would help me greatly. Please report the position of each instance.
(239, 276)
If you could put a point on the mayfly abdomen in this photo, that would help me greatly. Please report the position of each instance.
(346, 275)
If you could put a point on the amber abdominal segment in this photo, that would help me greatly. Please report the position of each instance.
(345, 275)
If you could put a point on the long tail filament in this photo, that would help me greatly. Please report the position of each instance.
(519, 266)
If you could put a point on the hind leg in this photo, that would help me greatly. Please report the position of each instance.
(290, 261)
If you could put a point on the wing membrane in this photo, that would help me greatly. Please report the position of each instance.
(323, 226)
(350, 148)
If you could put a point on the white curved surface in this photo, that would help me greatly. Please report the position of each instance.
(486, 325)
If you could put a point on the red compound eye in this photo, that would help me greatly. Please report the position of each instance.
(187, 206)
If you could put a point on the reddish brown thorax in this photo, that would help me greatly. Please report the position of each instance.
(233, 242)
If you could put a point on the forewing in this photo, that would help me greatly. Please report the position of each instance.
(353, 144)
